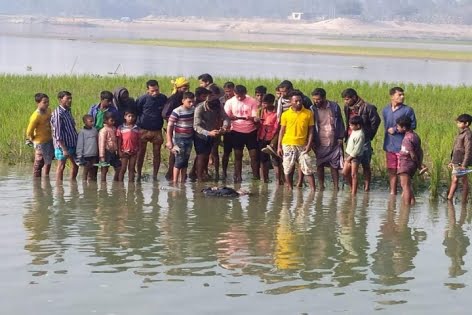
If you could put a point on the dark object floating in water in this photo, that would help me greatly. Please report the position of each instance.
(222, 192)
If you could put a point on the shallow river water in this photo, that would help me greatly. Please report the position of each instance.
(23, 55)
(151, 249)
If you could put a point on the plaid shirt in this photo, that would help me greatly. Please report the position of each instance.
(63, 128)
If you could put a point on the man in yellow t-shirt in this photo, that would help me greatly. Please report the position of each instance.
(295, 140)
(39, 133)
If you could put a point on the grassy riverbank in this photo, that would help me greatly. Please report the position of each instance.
(436, 108)
(306, 48)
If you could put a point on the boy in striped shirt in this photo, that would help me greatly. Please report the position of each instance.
(64, 135)
(180, 135)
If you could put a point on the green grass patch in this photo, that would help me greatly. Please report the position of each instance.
(436, 108)
(306, 48)
(400, 40)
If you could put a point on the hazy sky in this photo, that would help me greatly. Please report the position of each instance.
(420, 10)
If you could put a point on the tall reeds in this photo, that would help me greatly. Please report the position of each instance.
(436, 108)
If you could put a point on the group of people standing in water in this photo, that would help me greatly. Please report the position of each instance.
(280, 131)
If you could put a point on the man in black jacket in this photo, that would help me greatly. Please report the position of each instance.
(149, 113)
(356, 106)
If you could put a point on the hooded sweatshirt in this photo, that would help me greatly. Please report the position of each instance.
(129, 105)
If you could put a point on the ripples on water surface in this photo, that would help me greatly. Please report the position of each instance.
(149, 249)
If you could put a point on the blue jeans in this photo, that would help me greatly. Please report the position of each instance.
(185, 148)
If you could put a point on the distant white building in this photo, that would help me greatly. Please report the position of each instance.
(296, 16)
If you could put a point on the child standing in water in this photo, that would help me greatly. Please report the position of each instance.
(461, 156)
(87, 149)
(267, 131)
(180, 136)
(128, 145)
(410, 159)
(39, 133)
(108, 148)
(354, 150)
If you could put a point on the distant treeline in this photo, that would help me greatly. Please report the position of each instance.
(438, 11)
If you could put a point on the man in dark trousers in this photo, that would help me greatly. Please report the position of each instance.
(356, 106)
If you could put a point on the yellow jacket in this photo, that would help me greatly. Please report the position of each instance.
(39, 127)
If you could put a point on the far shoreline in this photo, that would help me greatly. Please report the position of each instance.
(304, 48)
(334, 50)
(311, 37)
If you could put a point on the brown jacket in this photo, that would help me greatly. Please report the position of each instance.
(462, 151)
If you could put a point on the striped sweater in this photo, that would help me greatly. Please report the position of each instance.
(182, 121)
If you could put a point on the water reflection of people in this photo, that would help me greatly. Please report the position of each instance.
(259, 226)
(302, 223)
(65, 217)
(396, 248)
(37, 222)
(322, 248)
(209, 222)
(174, 226)
(455, 240)
(353, 242)
(288, 255)
(233, 243)
(302, 211)
(143, 222)
(112, 216)
(49, 220)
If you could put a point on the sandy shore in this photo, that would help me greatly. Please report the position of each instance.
(340, 27)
